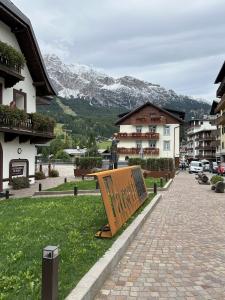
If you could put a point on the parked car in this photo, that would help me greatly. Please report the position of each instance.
(221, 169)
(195, 167)
(213, 167)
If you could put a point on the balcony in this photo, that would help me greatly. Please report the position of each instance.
(11, 74)
(220, 120)
(138, 135)
(148, 151)
(207, 138)
(17, 123)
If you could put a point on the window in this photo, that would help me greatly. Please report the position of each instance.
(20, 99)
(139, 144)
(152, 128)
(152, 144)
(139, 129)
(166, 130)
(166, 145)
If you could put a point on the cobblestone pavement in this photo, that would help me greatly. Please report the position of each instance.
(180, 251)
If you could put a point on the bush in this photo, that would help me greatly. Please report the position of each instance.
(11, 56)
(137, 162)
(40, 175)
(153, 164)
(20, 183)
(88, 162)
(216, 178)
(54, 173)
(61, 154)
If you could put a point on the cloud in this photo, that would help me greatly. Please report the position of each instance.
(176, 43)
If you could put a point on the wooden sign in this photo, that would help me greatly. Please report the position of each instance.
(123, 192)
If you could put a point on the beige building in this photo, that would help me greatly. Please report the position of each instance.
(149, 131)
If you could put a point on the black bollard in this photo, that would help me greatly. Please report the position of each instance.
(75, 191)
(50, 266)
(161, 182)
(65, 180)
(82, 177)
(40, 187)
(7, 194)
(155, 188)
(97, 185)
(166, 177)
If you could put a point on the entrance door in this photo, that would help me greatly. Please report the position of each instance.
(1, 167)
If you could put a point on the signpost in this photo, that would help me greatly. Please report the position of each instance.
(123, 192)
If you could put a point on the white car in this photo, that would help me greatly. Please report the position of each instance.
(195, 167)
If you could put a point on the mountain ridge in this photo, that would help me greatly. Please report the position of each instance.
(77, 81)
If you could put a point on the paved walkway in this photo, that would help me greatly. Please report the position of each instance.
(180, 251)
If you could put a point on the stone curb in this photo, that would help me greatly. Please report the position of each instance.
(91, 283)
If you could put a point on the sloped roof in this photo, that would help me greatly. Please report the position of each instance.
(145, 105)
(22, 28)
(221, 74)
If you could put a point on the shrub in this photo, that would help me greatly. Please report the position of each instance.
(61, 154)
(20, 183)
(137, 162)
(88, 162)
(42, 122)
(53, 173)
(40, 175)
(216, 178)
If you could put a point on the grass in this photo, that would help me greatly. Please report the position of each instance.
(28, 225)
(104, 145)
(91, 184)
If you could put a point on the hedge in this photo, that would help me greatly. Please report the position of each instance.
(153, 164)
(88, 162)
(20, 182)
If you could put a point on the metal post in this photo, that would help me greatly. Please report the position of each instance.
(155, 188)
(7, 194)
(65, 180)
(49, 169)
(50, 265)
(40, 187)
(82, 177)
(75, 191)
(97, 185)
(166, 177)
(161, 182)
(40, 168)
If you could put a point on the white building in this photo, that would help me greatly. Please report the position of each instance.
(201, 139)
(149, 131)
(22, 87)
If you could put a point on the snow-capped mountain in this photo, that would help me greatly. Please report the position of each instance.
(80, 81)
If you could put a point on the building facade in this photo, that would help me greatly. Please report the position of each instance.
(220, 113)
(201, 139)
(22, 88)
(149, 131)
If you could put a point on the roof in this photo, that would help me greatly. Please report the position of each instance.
(143, 106)
(180, 114)
(221, 74)
(75, 151)
(22, 28)
(213, 107)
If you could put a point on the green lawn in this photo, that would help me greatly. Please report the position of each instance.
(104, 145)
(27, 225)
(91, 184)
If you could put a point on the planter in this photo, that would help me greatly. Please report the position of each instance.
(82, 172)
(158, 174)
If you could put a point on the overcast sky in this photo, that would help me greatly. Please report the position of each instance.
(179, 44)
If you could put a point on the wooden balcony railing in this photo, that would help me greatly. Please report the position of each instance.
(11, 73)
(150, 120)
(149, 151)
(220, 120)
(138, 135)
(27, 124)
